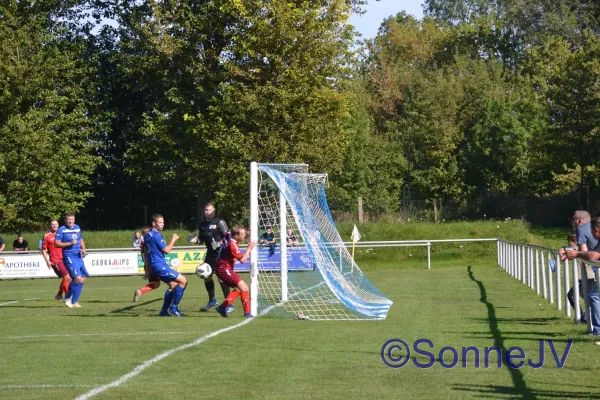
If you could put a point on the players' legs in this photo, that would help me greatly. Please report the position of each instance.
(62, 272)
(152, 284)
(81, 280)
(209, 284)
(169, 293)
(224, 288)
(78, 288)
(594, 299)
(174, 293)
(75, 274)
(181, 283)
(233, 280)
(243, 288)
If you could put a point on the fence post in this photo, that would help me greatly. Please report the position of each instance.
(514, 260)
(498, 251)
(558, 283)
(519, 262)
(510, 263)
(428, 255)
(550, 288)
(537, 271)
(543, 270)
(576, 292)
(530, 266)
(567, 305)
(524, 265)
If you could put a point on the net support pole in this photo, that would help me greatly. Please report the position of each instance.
(283, 246)
(254, 238)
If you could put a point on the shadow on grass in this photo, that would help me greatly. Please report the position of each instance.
(520, 321)
(495, 391)
(505, 337)
(520, 387)
(131, 307)
(518, 335)
(31, 307)
(146, 314)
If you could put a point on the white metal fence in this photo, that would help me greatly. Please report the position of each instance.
(532, 265)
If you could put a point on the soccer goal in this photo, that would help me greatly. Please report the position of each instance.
(308, 272)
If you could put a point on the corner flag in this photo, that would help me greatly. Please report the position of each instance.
(355, 235)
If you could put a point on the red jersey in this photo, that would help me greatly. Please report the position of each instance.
(230, 251)
(55, 253)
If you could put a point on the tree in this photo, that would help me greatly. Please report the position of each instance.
(229, 82)
(46, 129)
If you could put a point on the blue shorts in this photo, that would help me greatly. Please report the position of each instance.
(75, 265)
(165, 273)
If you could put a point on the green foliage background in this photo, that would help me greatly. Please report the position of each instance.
(163, 108)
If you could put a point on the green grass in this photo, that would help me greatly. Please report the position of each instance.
(381, 259)
(517, 230)
(272, 358)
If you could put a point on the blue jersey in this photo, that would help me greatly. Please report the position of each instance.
(67, 235)
(155, 243)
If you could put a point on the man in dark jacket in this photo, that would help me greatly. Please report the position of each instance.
(212, 229)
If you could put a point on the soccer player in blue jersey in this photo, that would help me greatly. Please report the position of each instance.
(156, 248)
(70, 240)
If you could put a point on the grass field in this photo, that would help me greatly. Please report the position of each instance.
(50, 351)
(511, 229)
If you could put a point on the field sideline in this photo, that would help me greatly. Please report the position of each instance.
(270, 358)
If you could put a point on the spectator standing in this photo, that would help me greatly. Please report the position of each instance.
(594, 254)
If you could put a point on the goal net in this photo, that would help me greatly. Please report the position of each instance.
(307, 272)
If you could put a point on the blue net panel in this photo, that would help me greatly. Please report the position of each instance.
(323, 281)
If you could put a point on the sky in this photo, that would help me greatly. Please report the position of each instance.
(368, 23)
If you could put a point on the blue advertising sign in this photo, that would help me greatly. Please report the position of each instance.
(298, 259)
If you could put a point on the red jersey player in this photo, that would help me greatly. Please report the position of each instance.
(230, 251)
(153, 281)
(54, 259)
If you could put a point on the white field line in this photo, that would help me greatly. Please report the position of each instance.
(137, 370)
(16, 301)
(41, 386)
(54, 290)
(92, 334)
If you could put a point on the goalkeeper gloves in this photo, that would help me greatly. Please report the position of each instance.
(215, 245)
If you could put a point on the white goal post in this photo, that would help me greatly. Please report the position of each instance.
(308, 272)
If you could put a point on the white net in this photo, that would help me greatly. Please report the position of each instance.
(318, 280)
